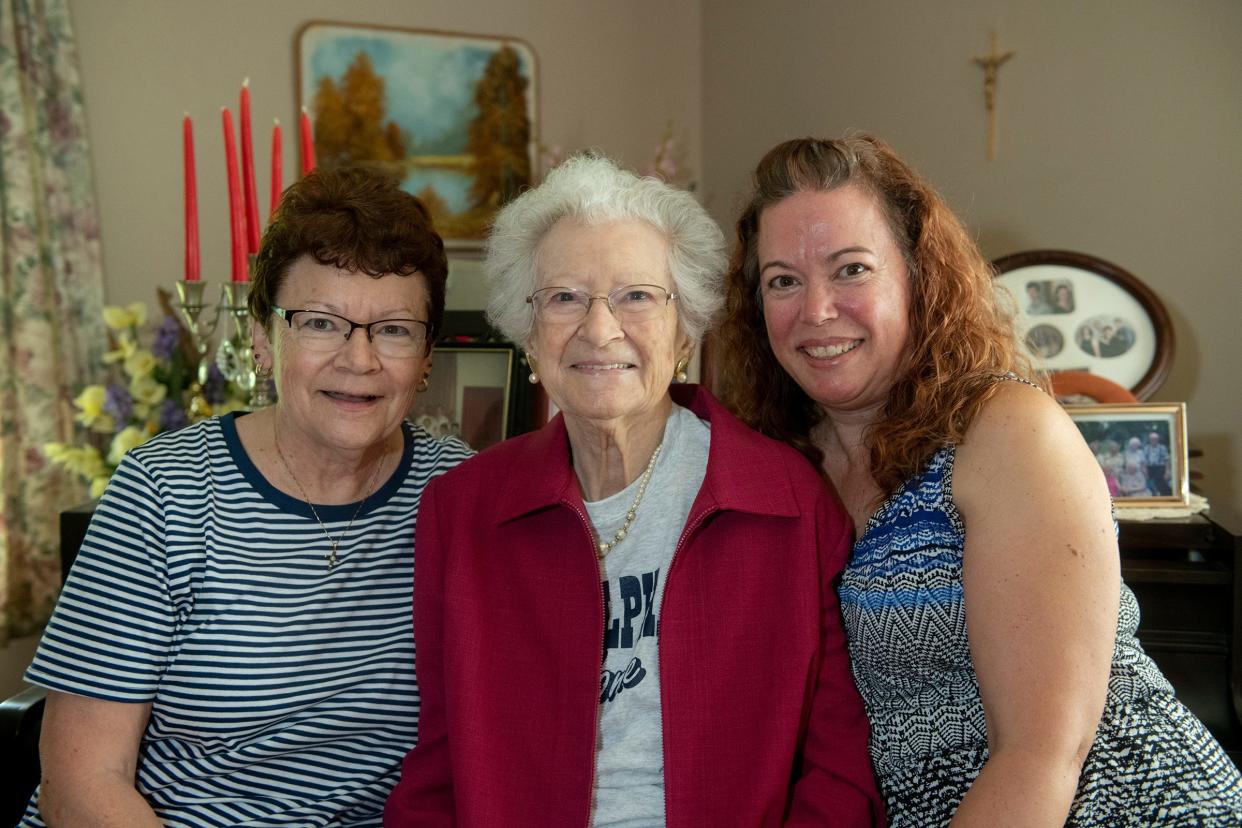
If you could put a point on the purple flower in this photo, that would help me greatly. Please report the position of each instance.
(172, 417)
(213, 389)
(118, 403)
(167, 338)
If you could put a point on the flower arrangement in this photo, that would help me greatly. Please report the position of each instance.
(148, 391)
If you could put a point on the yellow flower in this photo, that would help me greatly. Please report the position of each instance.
(81, 460)
(126, 439)
(104, 424)
(146, 391)
(97, 486)
(90, 404)
(126, 347)
(55, 451)
(131, 316)
(140, 363)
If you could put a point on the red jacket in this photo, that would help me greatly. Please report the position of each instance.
(762, 724)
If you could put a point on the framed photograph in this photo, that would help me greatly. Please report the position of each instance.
(1080, 313)
(1142, 449)
(471, 394)
(453, 115)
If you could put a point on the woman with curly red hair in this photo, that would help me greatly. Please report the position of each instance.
(862, 327)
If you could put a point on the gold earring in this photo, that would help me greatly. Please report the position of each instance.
(679, 373)
(534, 369)
(422, 383)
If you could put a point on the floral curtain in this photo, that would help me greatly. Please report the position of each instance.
(51, 292)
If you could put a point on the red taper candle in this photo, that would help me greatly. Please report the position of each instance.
(251, 199)
(277, 168)
(237, 222)
(192, 271)
(308, 143)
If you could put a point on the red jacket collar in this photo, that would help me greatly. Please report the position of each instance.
(746, 472)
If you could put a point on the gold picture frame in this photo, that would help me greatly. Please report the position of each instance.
(1134, 475)
(453, 115)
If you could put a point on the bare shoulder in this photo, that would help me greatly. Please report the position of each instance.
(1022, 443)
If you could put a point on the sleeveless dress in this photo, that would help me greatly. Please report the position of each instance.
(1152, 763)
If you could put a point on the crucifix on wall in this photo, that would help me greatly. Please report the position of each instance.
(991, 64)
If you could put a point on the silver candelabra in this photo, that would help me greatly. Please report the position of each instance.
(234, 355)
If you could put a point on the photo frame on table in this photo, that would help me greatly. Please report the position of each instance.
(1077, 312)
(1141, 448)
(453, 115)
(473, 394)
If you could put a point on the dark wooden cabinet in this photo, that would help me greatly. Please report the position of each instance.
(1186, 576)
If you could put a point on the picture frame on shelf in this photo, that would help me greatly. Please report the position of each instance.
(473, 394)
(1077, 312)
(1141, 447)
(453, 115)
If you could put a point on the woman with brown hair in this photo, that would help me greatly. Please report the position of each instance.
(233, 645)
(861, 326)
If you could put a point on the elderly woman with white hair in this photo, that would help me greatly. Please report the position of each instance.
(628, 617)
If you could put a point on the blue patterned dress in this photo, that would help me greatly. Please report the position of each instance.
(1152, 762)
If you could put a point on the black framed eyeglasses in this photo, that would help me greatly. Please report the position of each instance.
(569, 305)
(321, 331)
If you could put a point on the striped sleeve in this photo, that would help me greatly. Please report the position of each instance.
(110, 634)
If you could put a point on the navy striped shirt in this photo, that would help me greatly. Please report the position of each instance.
(282, 693)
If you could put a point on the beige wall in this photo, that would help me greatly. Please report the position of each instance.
(611, 75)
(1119, 137)
(1119, 125)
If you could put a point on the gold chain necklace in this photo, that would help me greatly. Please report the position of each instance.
(335, 542)
(607, 546)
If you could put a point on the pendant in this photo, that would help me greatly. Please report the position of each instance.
(332, 557)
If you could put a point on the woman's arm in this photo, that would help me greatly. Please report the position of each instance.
(1041, 590)
(835, 785)
(89, 752)
(424, 794)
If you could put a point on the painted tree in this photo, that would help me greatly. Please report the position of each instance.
(499, 135)
(352, 118)
(331, 122)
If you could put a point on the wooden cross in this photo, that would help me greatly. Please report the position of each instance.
(991, 64)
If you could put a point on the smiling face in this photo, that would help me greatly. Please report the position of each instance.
(351, 398)
(606, 370)
(836, 296)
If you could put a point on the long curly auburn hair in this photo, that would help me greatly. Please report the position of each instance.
(960, 336)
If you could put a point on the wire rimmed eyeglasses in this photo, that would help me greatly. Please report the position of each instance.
(632, 302)
(321, 331)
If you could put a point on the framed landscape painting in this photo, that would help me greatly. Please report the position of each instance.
(452, 115)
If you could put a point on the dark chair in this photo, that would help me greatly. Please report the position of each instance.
(21, 717)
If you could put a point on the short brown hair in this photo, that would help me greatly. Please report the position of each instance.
(356, 219)
(960, 338)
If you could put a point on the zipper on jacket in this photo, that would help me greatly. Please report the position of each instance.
(681, 542)
(599, 587)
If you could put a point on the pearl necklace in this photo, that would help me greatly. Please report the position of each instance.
(607, 546)
(335, 542)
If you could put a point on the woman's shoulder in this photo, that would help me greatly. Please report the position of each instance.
(1017, 410)
(435, 452)
(192, 443)
(1019, 433)
(465, 463)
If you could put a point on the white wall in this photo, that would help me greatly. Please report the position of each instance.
(610, 75)
(1119, 136)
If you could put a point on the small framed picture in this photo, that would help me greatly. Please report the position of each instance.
(1079, 313)
(1142, 449)
(470, 394)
